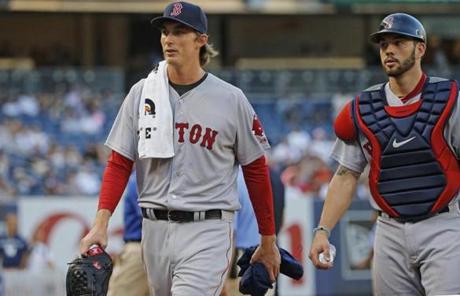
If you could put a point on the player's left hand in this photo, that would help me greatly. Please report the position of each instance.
(268, 254)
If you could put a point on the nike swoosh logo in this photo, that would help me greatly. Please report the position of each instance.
(397, 144)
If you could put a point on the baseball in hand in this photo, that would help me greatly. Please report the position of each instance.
(322, 257)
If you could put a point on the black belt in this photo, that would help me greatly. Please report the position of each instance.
(180, 216)
(414, 219)
(132, 240)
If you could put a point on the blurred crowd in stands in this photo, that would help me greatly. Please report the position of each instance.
(52, 143)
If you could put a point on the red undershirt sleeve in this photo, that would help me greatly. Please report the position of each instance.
(257, 178)
(114, 180)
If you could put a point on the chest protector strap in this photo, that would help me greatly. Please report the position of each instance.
(413, 170)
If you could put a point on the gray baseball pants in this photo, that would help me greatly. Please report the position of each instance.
(420, 258)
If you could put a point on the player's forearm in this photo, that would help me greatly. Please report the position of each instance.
(102, 218)
(339, 196)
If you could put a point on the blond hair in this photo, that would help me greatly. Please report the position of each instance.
(207, 52)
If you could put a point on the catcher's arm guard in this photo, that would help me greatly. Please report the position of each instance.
(89, 275)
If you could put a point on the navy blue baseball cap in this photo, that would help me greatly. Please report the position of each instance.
(185, 13)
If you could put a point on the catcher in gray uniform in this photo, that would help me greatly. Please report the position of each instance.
(407, 130)
(187, 190)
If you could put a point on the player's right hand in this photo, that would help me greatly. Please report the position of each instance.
(320, 244)
(97, 235)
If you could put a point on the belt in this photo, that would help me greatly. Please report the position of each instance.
(413, 219)
(132, 240)
(180, 216)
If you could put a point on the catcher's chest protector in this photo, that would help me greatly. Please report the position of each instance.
(409, 158)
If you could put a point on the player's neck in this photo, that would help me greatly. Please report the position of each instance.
(405, 83)
(185, 74)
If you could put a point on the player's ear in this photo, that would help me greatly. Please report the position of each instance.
(420, 48)
(202, 39)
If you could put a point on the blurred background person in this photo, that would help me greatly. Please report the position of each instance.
(14, 249)
(41, 258)
(246, 231)
(129, 276)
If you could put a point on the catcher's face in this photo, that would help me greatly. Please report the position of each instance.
(399, 54)
(181, 44)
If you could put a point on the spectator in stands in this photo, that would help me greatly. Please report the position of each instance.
(321, 144)
(281, 153)
(298, 141)
(13, 247)
(93, 122)
(56, 156)
(6, 189)
(24, 182)
(52, 184)
(24, 104)
(96, 152)
(70, 184)
(6, 135)
(73, 157)
(28, 139)
(308, 175)
(87, 180)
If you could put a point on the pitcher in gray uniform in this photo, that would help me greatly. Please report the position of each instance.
(187, 132)
(407, 130)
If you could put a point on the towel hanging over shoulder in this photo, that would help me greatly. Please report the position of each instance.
(156, 132)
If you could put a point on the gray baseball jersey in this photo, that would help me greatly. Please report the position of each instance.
(215, 130)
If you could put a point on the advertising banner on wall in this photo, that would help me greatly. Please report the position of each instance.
(62, 222)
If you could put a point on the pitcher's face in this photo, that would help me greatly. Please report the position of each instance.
(180, 43)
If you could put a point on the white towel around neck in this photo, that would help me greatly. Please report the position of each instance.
(155, 116)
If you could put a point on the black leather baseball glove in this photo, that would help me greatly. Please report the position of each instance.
(89, 275)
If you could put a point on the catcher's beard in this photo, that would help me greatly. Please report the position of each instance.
(403, 67)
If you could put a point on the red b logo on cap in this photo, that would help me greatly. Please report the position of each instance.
(177, 9)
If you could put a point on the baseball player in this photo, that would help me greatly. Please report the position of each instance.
(407, 130)
(188, 199)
